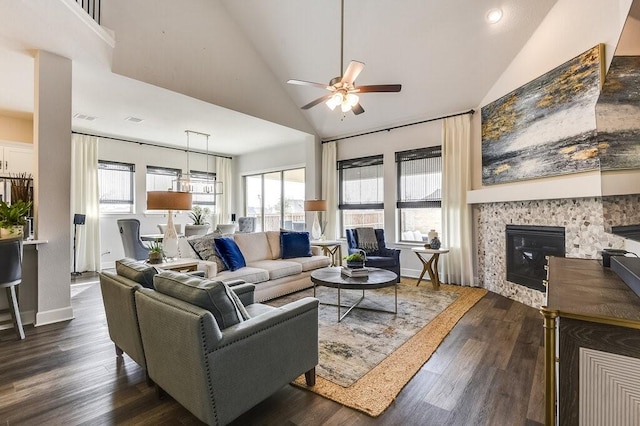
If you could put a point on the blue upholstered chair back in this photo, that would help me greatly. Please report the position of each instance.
(384, 257)
(352, 240)
(130, 235)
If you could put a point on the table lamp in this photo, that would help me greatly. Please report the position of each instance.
(315, 206)
(169, 200)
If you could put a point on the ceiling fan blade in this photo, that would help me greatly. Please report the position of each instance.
(379, 88)
(353, 70)
(357, 109)
(318, 101)
(309, 83)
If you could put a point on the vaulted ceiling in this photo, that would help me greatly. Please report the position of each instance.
(221, 66)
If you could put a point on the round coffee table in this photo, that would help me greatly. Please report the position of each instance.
(332, 277)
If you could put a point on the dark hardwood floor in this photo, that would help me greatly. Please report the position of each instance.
(488, 371)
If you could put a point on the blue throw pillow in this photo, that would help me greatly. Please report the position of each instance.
(229, 253)
(294, 244)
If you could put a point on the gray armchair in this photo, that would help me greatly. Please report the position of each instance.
(218, 374)
(134, 248)
(246, 224)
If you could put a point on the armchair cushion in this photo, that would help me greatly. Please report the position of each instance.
(205, 247)
(137, 271)
(230, 253)
(214, 296)
(294, 244)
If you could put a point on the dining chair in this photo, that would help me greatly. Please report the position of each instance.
(130, 234)
(10, 278)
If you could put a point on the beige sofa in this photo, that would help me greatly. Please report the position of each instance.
(272, 275)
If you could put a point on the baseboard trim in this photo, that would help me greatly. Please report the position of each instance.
(410, 273)
(27, 317)
(53, 316)
(111, 264)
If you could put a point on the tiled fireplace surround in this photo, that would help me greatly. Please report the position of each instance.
(584, 220)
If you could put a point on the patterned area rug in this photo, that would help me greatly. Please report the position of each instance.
(368, 358)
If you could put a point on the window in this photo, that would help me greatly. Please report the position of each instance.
(115, 183)
(361, 193)
(203, 188)
(419, 192)
(276, 199)
(161, 178)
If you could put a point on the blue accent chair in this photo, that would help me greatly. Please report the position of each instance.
(384, 258)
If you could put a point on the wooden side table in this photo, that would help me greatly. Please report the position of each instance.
(429, 265)
(333, 249)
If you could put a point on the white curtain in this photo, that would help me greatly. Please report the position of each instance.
(85, 199)
(330, 189)
(457, 265)
(223, 202)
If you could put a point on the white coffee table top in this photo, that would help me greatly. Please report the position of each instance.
(429, 251)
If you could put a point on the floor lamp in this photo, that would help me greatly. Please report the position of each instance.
(78, 219)
(169, 200)
(316, 206)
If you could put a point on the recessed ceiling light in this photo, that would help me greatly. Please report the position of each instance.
(494, 15)
(134, 119)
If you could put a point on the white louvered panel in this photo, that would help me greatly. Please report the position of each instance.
(609, 389)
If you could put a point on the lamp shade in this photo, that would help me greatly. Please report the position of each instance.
(315, 205)
(168, 200)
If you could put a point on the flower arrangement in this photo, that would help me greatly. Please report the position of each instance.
(199, 215)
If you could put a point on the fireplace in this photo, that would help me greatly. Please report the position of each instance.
(527, 247)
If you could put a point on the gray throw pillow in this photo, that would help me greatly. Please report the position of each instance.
(214, 296)
(137, 271)
(206, 249)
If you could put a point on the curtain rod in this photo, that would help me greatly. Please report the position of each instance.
(400, 126)
(151, 144)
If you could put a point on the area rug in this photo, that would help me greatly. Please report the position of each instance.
(368, 357)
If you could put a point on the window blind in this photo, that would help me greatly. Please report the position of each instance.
(419, 178)
(361, 183)
(115, 182)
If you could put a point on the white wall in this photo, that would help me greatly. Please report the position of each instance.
(570, 28)
(388, 143)
(52, 185)
(201, 47)
(141, 156)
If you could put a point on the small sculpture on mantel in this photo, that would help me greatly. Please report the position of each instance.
(434, 241)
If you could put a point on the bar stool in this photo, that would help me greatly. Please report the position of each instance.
(10, 277)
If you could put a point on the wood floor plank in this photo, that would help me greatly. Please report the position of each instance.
(487, 371)
(447, 391)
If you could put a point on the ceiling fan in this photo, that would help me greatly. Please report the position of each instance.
(343, 90)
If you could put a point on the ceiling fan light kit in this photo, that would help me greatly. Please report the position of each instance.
(343, 88)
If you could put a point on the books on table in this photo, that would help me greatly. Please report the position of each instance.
(357, 272)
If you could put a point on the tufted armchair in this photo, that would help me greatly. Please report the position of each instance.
(384, 258)
(219, 373)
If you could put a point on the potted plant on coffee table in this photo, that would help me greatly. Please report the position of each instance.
(155, 253)
(356, 260)
(13, 217)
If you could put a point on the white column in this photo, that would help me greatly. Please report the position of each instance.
(52, 183)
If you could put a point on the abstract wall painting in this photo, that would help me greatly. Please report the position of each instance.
(546, 127)
(618, 115)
